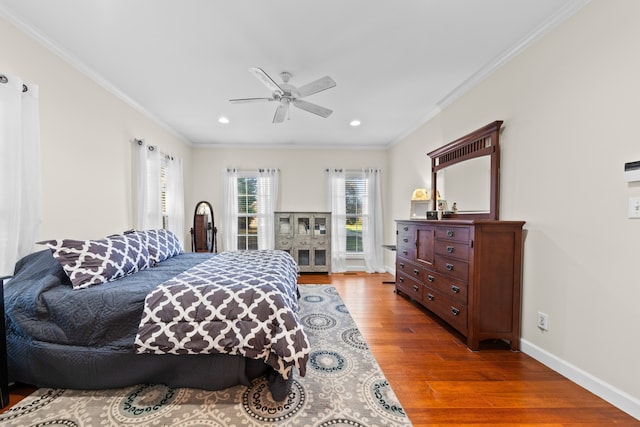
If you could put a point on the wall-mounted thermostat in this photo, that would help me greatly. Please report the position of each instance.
(632, 171)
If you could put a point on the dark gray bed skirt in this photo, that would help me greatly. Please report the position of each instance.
(89, 369)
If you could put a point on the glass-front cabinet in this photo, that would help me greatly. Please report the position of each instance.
(307, 237)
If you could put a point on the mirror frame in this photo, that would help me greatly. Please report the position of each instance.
(481, 142)
(213, 230)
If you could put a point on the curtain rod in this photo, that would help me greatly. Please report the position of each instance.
(253, 170)
(352, 170)
(4, 79)
(140, 142)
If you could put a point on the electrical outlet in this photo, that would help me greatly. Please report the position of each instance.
(543, 321)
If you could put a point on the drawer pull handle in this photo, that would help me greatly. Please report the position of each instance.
(416, 288)
(406, 228)
(450, 233)
(455, 311)
(416, 271)
(431, 278)
(430, 297)
(405, 252)
(449, 267)
(450, 249)
(401, 280)
(455, 289)
(402, 265)
(405, 240)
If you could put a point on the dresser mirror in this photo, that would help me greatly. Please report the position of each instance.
(203, 233)
(465, 175)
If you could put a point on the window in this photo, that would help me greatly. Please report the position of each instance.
(247, 213)
(250, 200)
(355, 193)
(163, 191)
(356, 217)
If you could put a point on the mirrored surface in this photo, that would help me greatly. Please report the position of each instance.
(466, 186)
(204, 230)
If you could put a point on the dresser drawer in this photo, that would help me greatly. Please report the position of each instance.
(451, 248)
(406, 247)
(448, 310)
(283, 243)
(453, 288)
(409, 269)
(460, 234)
(452, 267)
(405, 230)
(320, 242)
(409, 286)
(302, 241)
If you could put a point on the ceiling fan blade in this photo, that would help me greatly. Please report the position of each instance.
(266, 80)
(281, 111)
(312, 108)
(242, 100)
(316, 86)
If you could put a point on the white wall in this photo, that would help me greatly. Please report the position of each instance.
(86, 146)
(570, 105)
(302, 174)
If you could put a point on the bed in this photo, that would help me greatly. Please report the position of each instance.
(154, 315)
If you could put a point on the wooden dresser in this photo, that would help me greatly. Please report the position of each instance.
(467, 272)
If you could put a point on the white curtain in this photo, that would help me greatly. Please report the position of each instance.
(268, 181)
(20, 171)
(230, 211)
(175, 197)
(148, 187)
(372, 237)
(337, 205)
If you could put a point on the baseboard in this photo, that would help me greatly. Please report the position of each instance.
(617, 398)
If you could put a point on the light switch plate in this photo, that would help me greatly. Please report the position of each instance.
(634, 207)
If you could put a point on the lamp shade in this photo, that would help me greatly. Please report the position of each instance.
(420, 194)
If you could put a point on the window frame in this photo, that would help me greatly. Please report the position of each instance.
(249, 217)
(351, 176)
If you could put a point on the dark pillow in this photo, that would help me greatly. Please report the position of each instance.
(91, 262)
(162, 244)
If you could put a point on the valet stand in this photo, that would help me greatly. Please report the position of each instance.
(4, 373)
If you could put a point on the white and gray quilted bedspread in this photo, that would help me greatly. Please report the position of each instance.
(242, 303)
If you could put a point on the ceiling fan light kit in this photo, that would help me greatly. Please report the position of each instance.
(286, 94)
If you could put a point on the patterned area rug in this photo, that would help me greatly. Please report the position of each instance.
(344, 386)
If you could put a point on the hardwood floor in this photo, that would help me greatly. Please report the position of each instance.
(440, 382)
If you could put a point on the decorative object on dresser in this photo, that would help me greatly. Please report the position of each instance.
(466, 267)
(307, 237)
(204, 231)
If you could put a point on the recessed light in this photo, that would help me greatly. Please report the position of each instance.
(355, 123)
(224, 120)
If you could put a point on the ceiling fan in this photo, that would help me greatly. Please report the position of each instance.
(286, 94)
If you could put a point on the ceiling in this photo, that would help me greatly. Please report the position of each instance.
(395, 64)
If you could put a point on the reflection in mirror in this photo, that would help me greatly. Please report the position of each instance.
(204, 231)
(467, 184)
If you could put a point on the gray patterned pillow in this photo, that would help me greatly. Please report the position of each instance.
(91, 262)
(162, 244)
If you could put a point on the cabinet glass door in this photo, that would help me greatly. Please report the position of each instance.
(319, 226)
(320, 257)
(304, 257)
(284, 225)
(303, 224)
